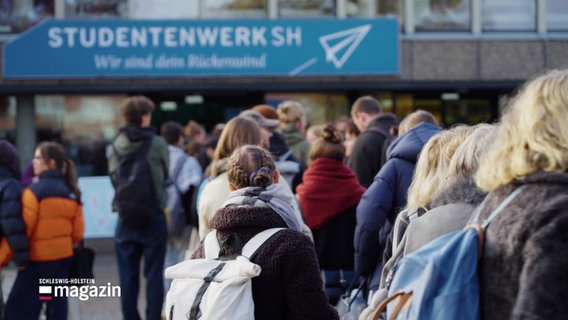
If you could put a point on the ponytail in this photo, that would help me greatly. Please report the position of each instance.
(70, 177)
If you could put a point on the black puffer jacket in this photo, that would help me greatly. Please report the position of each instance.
(13, 228)
(524, 269)
(289, 286)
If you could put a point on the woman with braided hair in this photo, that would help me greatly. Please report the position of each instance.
(289, 286)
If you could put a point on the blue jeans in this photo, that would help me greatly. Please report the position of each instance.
(131, 244)
(23, 302)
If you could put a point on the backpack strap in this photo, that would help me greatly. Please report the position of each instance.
(497, 210)
(285, 155)
(480, 228)
(211, 246)
(252, 246)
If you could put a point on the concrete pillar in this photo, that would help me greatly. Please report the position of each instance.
(272, 9)
(25, 128)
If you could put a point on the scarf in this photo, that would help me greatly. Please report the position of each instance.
(275, 196)
(328, 188)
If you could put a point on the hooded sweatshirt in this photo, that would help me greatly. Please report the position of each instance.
(129, 140)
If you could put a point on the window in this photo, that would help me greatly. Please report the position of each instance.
(391, 8)
(18, 15)
(83, 124)
(164, 9)
(306, 8)
(373, 8)
(442, 15)
(557, 15)
(96, 9)
(235, 9)
(508, 15)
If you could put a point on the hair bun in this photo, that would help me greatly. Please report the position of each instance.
(331, 134)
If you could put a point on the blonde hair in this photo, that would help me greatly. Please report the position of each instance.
(532, 136)
(414, 119)
(432, 166)
(237, 132)
(465, 161)
(251, 166)
(290, 111)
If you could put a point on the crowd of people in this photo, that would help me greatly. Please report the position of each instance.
(354, 197)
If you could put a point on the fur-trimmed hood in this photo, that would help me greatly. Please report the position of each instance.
(460, 190)
(247, 220)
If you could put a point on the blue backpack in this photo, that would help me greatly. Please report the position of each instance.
(439, 281)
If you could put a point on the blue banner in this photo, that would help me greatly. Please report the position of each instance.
(130, 48)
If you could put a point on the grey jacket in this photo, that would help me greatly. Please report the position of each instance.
(451, 210)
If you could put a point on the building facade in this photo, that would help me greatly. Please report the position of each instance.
(459, 59)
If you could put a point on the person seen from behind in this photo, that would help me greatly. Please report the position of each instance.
(387, 195)
(185, 172)
(523, 272)
(293, 125)
(328, 197)
(239, 131)
(430, 175)
(148, 242)
(14, 244)
(368, 149)
(53, 214)
(287, 163)
(289, 285)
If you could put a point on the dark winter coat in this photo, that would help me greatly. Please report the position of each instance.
(386, 196)
(365, 159)
(334, 241)
(13, 228)
(524, 268)
(289, 286)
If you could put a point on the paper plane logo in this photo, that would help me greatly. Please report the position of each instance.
(45, 293)
(339, 46)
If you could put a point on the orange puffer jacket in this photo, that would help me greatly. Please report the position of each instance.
(54, 219)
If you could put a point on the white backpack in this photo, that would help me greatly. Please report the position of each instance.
(213, 288)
